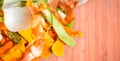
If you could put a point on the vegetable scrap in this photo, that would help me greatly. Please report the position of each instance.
(34, 29)
(58, 48)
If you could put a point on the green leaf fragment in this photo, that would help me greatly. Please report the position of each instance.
(42, 1)
(1, 19)
(70, 25)
(26, 0)
(13, 36)
(1, 3)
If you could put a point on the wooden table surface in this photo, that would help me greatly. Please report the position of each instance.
(99, 21)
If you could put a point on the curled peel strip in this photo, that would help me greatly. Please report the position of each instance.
(81, 2)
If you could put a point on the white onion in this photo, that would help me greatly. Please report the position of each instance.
(17, 18)
(35, 51)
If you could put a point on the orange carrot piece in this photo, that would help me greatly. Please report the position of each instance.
(2, 26)
(3, 41)
(14, 59)
(6, 47)
(1, 59)
(72, 32)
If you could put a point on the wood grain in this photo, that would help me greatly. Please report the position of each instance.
(99, 21)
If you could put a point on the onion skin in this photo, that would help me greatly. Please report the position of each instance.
(11, 3)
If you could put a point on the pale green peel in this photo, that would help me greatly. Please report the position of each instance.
(62, 34)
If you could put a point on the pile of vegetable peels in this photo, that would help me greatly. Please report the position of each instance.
(34, 29)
